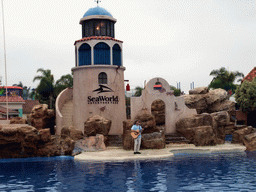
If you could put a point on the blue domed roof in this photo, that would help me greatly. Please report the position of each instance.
(97, 11)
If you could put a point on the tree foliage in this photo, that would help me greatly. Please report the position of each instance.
(177, 92)
(64, 82)
(224, 79)
(47, 90)
(138, 91)
(246, 95)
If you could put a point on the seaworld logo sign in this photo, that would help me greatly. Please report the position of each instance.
(103, 99)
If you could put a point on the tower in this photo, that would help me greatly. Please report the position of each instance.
(98, 87)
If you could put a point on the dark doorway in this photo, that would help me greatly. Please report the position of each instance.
(251, 118)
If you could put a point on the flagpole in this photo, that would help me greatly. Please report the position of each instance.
(6, 91)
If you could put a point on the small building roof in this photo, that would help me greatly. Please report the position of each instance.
(11, 99)
(97, 11)
(250, 75)
(28, 106)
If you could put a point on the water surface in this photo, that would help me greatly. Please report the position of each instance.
(183, 172)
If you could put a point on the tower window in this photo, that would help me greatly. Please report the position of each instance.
(101, 54)
(103, 78)
(84, 54)
(98, 27)
(117, 58)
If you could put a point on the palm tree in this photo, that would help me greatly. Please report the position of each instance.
(18, 85)
(138, 91)
(64, 82)
(224, 79)
(45, 89)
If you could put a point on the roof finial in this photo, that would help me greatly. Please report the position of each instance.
(98, 1)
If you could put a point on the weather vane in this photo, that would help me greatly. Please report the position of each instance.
(98, 1)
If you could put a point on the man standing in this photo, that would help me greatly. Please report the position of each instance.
(137, 141)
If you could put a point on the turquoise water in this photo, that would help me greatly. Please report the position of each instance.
(183, 172)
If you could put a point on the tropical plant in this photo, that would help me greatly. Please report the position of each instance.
(246, 95)
(32, 94)
(64, 82)
(225, 79)
(45, 89)
(138, 91)
(18, 85)
(177, 92)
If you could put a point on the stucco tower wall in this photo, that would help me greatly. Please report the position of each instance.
(85, 82)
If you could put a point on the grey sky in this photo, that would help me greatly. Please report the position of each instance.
(179, 40)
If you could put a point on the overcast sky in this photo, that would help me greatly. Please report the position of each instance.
(178, 40)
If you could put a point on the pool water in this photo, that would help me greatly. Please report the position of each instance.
(183, 172)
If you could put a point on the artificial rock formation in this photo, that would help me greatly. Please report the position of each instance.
(245, 136)
(239, 135)
(83, 142)
(154, 140)
(215, 111)
(21, 140)
(92, 143)
(97, 125)
(72, 133)
(158, 111)
(128, 143)
(41, 117)
(18, 120)
(209, 101)
(204, 129)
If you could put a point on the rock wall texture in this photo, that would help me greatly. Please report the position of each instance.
(83, 143)
(41, 117)
(21, 140)
(97, 125)
(204, 129)
(209, 101)
(18, 120)
(158, 111)
(213, 121)
(245, 136)
(92, 143)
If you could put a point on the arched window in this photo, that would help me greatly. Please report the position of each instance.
(101, 54)
(84, 54)
(117, 59)
(103, 78)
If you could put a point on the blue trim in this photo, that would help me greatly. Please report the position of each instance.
(117, 58)
(84, 54)
(101, 54)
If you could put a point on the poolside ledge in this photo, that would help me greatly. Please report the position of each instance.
(118, 154)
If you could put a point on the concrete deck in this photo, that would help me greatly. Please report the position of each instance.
(118, 154)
